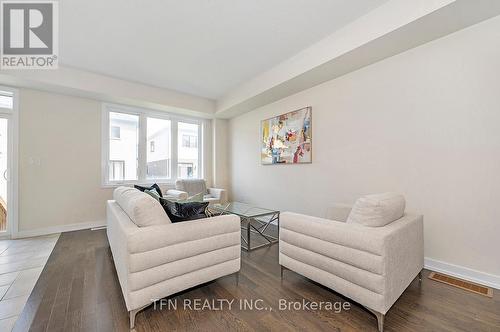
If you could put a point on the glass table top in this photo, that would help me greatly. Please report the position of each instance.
(242, 209)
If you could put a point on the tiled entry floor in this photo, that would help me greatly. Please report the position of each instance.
(21, 262)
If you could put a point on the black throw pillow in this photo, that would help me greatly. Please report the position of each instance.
(178, 211)
(153, 187)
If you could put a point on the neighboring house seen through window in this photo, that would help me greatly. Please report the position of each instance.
(189, 141)
(115, 132)
(116, 170)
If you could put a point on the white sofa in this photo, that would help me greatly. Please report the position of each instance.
(196, 186)
(155, 258)
(370, 265)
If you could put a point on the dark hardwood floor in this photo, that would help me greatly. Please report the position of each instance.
(79, 291)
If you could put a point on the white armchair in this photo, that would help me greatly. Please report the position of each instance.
(371, 265)
(193, 187)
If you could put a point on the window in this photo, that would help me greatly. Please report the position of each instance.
(115, 132)
(188, 154)
(159, 157)
(146, 146)
(126, 148)
(6, 100)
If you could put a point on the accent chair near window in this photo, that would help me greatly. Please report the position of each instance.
(196, 186)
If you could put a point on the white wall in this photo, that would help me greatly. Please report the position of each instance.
(60, 162)
(221, 168)
(425, 123)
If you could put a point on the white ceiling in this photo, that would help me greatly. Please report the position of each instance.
(201, 47)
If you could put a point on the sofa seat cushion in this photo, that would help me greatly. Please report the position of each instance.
(377, 210)
(142, 209)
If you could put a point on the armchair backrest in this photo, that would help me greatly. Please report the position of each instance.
(191, 186)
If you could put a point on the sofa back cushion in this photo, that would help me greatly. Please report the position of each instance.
(377, 210)
(191, 186)
(140, 207)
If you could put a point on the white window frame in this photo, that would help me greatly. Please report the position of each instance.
(144, 114)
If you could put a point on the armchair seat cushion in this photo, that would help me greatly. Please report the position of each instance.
(210, 198)
(377, 210)
(173, 195)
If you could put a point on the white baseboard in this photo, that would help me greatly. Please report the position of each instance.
(461, 272)
(58, 229)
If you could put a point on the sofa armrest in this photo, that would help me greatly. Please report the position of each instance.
(159, 236)
(404, 255)
(177, 194)
(220, 194)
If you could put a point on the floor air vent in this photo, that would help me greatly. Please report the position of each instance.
(462, 284)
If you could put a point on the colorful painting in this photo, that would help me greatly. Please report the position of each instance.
(286, 139)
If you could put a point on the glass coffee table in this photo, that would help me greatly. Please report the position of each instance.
(254, 220)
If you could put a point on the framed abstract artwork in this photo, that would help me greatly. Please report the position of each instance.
(287, 138)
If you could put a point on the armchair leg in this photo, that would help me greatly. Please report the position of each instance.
(380, 321)
(282, 269)
(420, 276)
(132, 314)
(237, 278)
